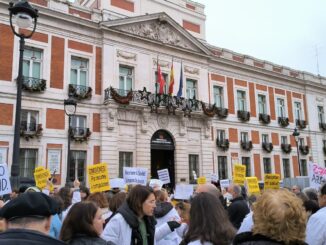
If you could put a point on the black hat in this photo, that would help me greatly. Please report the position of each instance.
(29, 204)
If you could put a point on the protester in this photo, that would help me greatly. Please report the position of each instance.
(83, 225)
(28, 217)
(209, 223)
(84, 193)
(183, 210)
(312, 204)
(70, 197)
(115, 203)
(238, 208)
(100, 199)
(279, 218)
(316, 227)
(56, 222)
(296, 189)
(212, 189)
(134, 223)
(165, 212)
(247, 222)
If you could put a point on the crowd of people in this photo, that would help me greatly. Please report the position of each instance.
(148, 216)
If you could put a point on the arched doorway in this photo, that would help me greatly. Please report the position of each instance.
(162, 154)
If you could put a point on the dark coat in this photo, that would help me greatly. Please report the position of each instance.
(132, 220)
(247, 238)
(86, 240)
(237, 211)
(23, 236)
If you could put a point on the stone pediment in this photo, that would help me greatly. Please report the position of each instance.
(159, 28)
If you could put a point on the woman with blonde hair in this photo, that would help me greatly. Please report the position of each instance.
(279, 218)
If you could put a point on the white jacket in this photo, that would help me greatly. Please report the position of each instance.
(119, 232)
(197, 242)
(173, 238)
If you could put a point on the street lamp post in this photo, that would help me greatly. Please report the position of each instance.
(24, 16)
(70, 109)
(296, 135)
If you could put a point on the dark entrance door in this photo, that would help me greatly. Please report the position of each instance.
(162, 155)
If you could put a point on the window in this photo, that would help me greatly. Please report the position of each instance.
(301, 142)
(284, 139)
(242, 103)
(244, 137)
(265, 138)
(27, 162)
(191, 89)
(218, 96)
(79, 71)
(324, 143)
(77, 165)
(125, 79)
(193, 168)
(166, 85)
(321, 114)
(304, 170)
(246, 162)
(220, 135)
(222, 167)
(297, 111)
(267, 165)
(78, 125)
(125, 160)
(286, 168)
(262, 107)
(29, 120)
(280, 107)
(32, 62)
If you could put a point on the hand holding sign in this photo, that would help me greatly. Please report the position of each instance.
(5, 187)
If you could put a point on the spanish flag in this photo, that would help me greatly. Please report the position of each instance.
(171, 80)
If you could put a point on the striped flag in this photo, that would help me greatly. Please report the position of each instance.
(171, 80)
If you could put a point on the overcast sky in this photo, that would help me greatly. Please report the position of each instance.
(285, 32)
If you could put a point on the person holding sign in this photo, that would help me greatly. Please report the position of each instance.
(316, 227)
(134, 223)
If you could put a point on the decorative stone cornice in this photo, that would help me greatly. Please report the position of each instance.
(191, 70)
(126, 55)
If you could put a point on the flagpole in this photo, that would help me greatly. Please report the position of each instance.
(156, 82)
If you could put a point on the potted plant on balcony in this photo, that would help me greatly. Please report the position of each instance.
(80, 92)
(286, 148)
(304, 149)
(246, 145)
(80, 134)
(301, 123)
(223, 144)
(283, 121)
(31, 84)
(264, 118)
(243, 115)
(30, 134)
(267, 146)
(222, 112)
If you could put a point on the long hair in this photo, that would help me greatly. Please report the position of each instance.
(137, 197)
(209, 221)
(99, 198)
(66, 196)
(79, 220)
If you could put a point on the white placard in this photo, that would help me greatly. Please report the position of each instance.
(3, 155)
(156, 184)
(117, 183)
(5, 187)
(135, 175)
(164, 176)
(317, 175)
(214, 178)
(224, 183)
(183, 191)
(54, 158)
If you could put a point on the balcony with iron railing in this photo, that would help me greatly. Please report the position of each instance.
(302, 124)
(286, 148)
(304, 149)
(223, 144)
(246, 145)
(283, 121)
(79, 134)
(322, 126)
(79, 92)
(264, 118)
(244, 116)
(32, 84)
(267, 146)
(30, 130)
(161, 102)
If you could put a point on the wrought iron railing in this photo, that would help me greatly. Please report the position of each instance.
(30, 130)
(286, 148)
(223, 144)
(283, 121)
(79, 134)
(264, 118)
(322, 126)
(80, 92)
(162, 101)
(243, 115)
(267, 146)
(301, 123)
(32, 84)
(246, 145)
(304, 149)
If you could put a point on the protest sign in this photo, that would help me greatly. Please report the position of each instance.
(252, 185)
(214, 178)
(183, 191)
(201, 180)
(135, 175)
(317, 175)
(156, 184)
(164, 176)
(224, 183)
(272, 181)
(41, 176)
(5, 187)
(117, 183)
(239, 174)
(98, 177)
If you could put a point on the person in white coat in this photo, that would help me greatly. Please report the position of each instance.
(134, 224)
(209, 223)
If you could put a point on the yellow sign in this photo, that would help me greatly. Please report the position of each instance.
(41, 176)
(252, 185)
(272, 181)
(201, 180)
(98, 177)
(239, 174)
